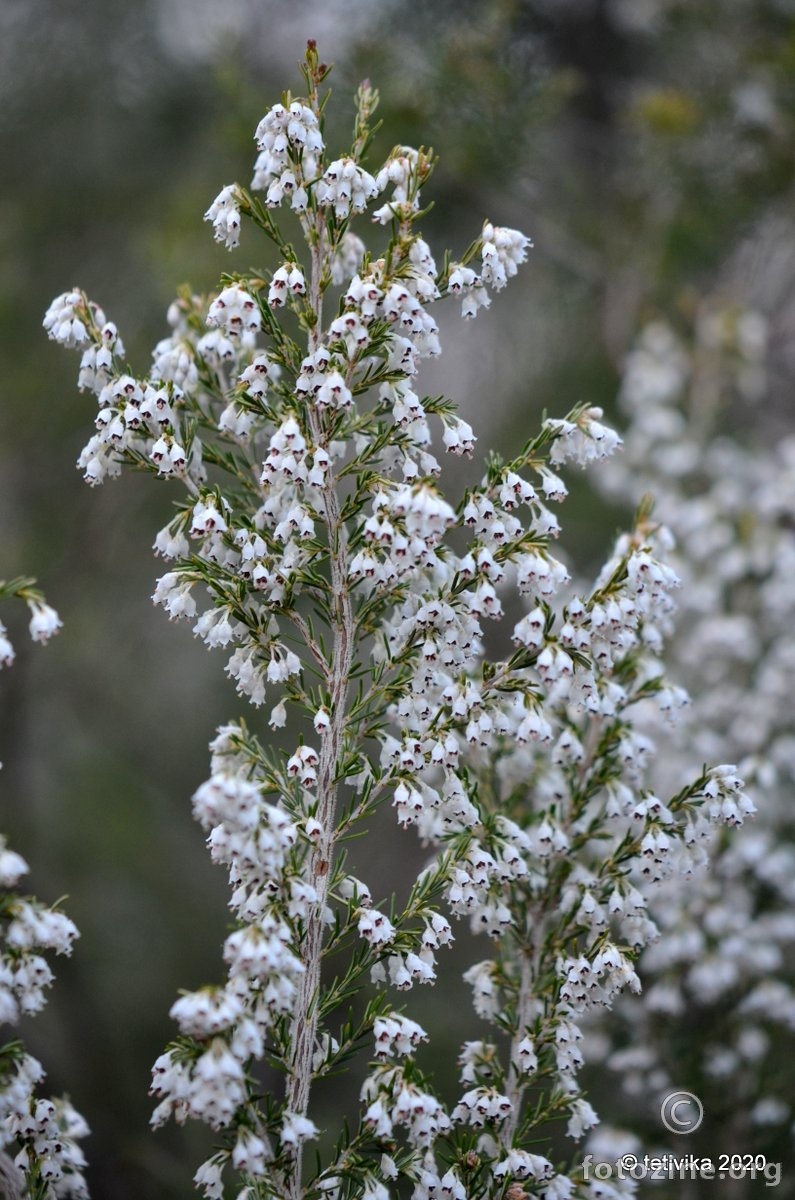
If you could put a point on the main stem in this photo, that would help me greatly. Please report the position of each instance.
(305, 1021)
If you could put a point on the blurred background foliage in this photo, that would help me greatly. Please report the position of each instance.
(646, 145)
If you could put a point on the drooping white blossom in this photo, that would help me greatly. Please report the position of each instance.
(224, 212)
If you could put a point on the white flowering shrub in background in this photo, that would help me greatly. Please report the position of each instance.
(39, 1153)
(720, 991)
(313, 544)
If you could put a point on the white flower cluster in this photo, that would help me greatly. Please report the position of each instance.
(64, 320)
(235, 312)
(224, 212)
(142, 419)
(726, 937)
(401, 171)
(48, 1132)
(274, 554)
(466, 283)
(580, 666)
(31, 928)
(394, 1100)
(230, 1025)
(502, 253)
(339, 574)
(38, 1137)
(396, 1036)
(131, 416)
(290, 144)
(346, 188)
